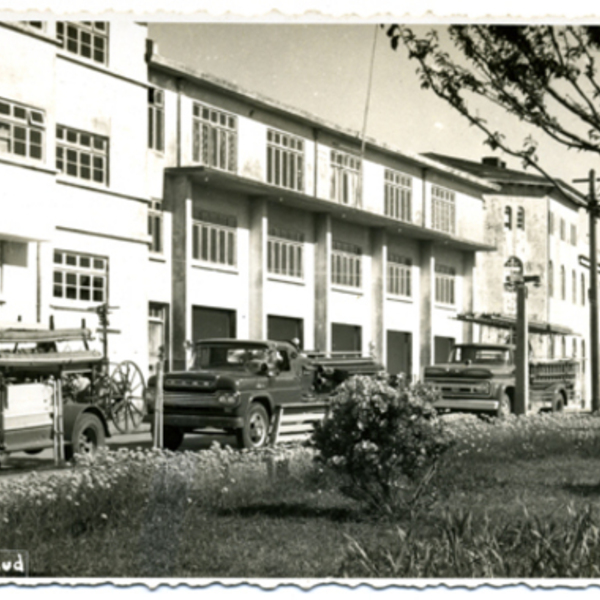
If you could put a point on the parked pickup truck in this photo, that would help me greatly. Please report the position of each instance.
(238, 385)
(481, 378)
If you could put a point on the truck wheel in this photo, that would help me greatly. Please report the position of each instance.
(505, 407)
(172, 437)
(87, 436)
(255, 432)
(558, 402)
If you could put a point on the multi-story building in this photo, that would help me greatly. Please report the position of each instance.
(539, 226)
(200, 209)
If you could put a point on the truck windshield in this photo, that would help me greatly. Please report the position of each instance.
(236, 358)
(487, 356)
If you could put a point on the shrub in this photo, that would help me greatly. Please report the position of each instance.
(384, 442)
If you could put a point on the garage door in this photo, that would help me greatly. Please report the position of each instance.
(212, 323)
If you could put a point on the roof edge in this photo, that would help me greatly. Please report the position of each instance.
(177, 68)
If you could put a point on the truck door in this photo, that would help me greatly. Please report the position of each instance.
(286, 385)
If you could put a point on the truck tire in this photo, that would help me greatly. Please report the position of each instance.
(255, 432)
(172, 437)
(504, 407)
(87, 436)
(558, 402)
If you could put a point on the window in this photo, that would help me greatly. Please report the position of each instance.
(88, 39)
(563, 229)
(346, 264)
(80, 277)
(82, 155)
(563, 347)
(21, 130)
(155, 226)
(583, 356)
(551, 222)
(398, 195)
(551, 351)
(445, 281)
(563, 283)
(214, 138)
(345, 173)
(574, 286)
(158, 335)
(583, 289)
(214, 239)
(443, 212)
(399, 275)
(573, 235)
(521, 218)
(156, 119)
(285, 251)
(574, 348)
(507, 218)
(285, 160)
(550, 279)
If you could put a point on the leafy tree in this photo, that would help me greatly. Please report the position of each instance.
(544, 75)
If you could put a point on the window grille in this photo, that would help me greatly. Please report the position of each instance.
(214, 138)
(443, 217)
(345, 174)
(399, 271)
(214, 239)
(398, 195)
(156, 119)
(22, 130)
(445, 284)
(81, 154)
(346, 264)
(80, 276)
(88, 39)
(285, 253)
(285, 160)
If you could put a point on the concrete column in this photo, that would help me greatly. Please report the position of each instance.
(468, 292)
(178, 200)
(322, 281)
(427, 284)
(378, 279)
(258, 267)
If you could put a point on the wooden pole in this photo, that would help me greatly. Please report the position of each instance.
(592, 210)
(158, 404)
(521, 356)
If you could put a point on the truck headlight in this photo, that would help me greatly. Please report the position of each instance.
(228, 398)
(482, 388)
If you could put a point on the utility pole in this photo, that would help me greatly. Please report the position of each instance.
(592, 208)
(521, 354)
(518, 282)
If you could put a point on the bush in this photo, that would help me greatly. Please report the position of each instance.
(385, 442)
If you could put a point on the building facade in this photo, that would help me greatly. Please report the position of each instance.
(198, 209)
(540, 227)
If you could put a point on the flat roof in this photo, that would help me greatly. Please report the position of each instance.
(179, 69)
(504, 176)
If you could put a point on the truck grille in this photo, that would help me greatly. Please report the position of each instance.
(186, 398)
(462, 387)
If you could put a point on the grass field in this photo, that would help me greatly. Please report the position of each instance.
(512, 499)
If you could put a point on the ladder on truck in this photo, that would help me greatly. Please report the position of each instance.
(296, 422)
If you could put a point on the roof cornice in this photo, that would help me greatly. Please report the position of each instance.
(178, 69)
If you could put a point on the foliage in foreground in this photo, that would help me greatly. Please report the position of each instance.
(513, 502)
(531, 547)
(384, 442)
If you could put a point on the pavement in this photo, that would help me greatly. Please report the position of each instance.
(20, 463)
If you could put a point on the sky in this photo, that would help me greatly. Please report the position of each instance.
(324, 69)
